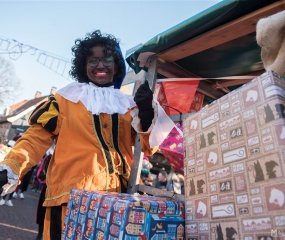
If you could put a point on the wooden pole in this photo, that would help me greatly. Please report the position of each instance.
(138, 154)
(135, 174)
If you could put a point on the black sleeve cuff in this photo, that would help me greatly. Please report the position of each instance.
(146, 117)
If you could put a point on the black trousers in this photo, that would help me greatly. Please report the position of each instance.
(56, 223)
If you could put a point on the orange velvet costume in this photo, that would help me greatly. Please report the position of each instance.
(91, 150)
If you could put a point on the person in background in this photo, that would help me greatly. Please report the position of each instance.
(25, 180)
(41, 176)
(6, 199)
(94, 126)
(181, 179)
(36, 185)
(146, 167)
(23, 187)
(3, 152)
(175, 182)
(161, 179)
(148, 181)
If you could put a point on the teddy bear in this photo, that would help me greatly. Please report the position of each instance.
(270, 36)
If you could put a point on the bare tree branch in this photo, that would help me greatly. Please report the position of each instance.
(9, 83)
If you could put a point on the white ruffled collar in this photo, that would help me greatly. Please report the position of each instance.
(98, 99)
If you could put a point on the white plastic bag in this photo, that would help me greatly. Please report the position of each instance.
(162, 127)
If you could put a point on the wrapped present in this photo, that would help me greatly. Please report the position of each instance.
(234, 164)
(173, 149)
(73, 213)
(107, 215)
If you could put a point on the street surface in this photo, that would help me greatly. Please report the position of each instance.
(19, 222)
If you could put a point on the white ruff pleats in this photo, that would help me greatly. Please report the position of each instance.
(98, 99)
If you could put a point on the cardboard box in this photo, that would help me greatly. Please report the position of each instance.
(234, 164)
(106, 215)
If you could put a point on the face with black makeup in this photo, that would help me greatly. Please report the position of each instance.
(104, 72)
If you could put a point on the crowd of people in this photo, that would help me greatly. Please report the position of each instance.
(170, 181)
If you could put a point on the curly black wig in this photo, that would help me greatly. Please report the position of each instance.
(83, 49)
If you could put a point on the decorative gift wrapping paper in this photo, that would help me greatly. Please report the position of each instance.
(234, 164)
(73, 212)
(173, 149)
(166, 93)
(108, 215)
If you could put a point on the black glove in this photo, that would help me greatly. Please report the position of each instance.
(143, 99)
(3, 179)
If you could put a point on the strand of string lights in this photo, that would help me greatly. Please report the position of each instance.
(14, 49)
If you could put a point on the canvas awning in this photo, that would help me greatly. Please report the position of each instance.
(218, 42)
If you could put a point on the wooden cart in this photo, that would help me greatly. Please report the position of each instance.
(217, 45)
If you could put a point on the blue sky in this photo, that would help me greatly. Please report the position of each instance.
(52, 27)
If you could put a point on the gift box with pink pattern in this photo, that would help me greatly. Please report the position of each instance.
(173, 149)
